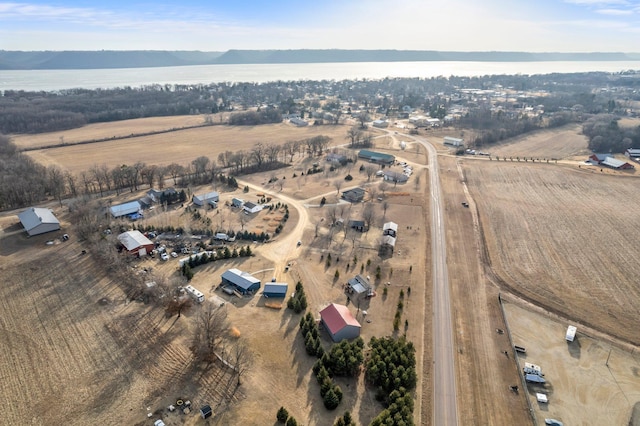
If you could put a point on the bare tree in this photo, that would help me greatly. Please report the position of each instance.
(211, 327)
(175, 170)
(373, 193)
(71, 183)
(56, 182)
(354, 134)
(362, 118)
(369, 214)
(337, 184)
(149, 174)
(200, 167)
(370, 171)
(383, 187)
(416, 182)
(385, 206)
(257, 153)
(240, 358)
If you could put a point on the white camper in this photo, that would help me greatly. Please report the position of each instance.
(195, 293)
(571, 333)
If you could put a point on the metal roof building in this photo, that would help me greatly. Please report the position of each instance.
(38, 220)
(275, 290)
(244, 282)
(390, 228)
(136, 243)
(376, 157)
(616, 164)
(201, 200)
(359, 285)
(125, 209)
(339, 322)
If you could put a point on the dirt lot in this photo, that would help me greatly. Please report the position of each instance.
(589, 381)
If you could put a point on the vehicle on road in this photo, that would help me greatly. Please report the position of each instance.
(553, 422)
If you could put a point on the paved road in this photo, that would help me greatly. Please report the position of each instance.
(445, 411)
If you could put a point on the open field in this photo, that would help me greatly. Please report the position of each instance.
(589, 381)
(112, 129)
(181, 146)
(560, 237)
(563, 142)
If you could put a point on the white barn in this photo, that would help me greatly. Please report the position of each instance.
(201, 200)
(448, 140)
(38, 221)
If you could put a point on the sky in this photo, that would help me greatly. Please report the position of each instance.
(213, 25)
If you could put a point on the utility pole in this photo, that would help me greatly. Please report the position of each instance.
(607, 362)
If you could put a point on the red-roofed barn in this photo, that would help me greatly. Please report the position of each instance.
(339, 322)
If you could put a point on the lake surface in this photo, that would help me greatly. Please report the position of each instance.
(51, 80)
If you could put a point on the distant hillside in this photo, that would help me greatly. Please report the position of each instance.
(159, 58)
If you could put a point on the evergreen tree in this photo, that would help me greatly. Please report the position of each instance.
(282, 415)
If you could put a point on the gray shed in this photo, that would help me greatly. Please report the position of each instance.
(37, 221)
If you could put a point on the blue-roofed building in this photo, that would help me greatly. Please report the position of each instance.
(243, 282)
(125, 209)
(275, 290)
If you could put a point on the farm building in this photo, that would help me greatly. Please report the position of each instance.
(571, 333)
(632, 153)
(358, 225)
(376, 157)
(275, 290)
(250, 207)
(396, 177)
(296, 121)
(387, 245)
(237, 202)
(145, 202)
(451, 141)
(339, 322)
(359, 286)
(333, 157)
(201, 200)
(125, 209)
(354, 195)
(390, 228)
(38, 221)
(242, 282)
(136, 243)
(598, 158)
(616, 164)
(380, 124)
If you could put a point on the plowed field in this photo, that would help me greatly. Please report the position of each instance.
(564, 239)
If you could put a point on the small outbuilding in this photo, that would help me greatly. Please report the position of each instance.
(390, 228)
(395, 177)
(206, 412)
(359, 286)
(201, 200)
(339, 322)
(250, 207)
(632, 153)
(38, 221)
(126, 209)
(237, 202)
(275, 290)
(136, 243)
(355, 195)
(451, 141)
(242, 282)
(358, 225)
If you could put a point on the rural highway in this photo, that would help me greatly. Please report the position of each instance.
(445, 412)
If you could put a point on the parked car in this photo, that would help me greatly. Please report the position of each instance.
(164, 256)
(158, 423)
(174, 254)
(553, 422)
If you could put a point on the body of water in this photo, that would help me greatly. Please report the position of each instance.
(51, 80)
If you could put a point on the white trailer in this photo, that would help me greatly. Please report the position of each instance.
(195, 293)
(571, 333)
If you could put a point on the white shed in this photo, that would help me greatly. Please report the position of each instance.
(571, 333)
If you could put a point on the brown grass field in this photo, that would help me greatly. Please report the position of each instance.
(546, 144)
(181, 146)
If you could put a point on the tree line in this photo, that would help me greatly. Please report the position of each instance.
(25, 182)
(606, 136)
